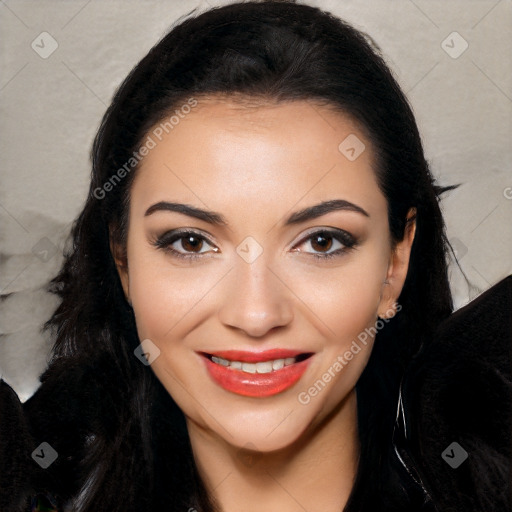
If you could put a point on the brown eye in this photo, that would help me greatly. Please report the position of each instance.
(191, 244)
(323, 241)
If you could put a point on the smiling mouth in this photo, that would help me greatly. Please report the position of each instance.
(260, 367)
(256, 374)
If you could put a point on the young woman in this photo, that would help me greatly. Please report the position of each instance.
(259, 263)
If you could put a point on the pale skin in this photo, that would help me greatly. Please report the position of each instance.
(256, 165)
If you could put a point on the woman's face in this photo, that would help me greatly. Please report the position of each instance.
(263, 318)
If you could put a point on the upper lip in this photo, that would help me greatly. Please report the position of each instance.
(251, 356)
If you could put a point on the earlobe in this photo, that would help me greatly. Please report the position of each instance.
(397, 268)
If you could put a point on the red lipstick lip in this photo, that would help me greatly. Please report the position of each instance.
(256, 357)
(257, 385)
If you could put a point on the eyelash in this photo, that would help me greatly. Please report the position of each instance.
(347, 240)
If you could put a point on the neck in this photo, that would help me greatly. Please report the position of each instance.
(316, 472)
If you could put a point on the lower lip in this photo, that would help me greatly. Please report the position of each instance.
(256, 384)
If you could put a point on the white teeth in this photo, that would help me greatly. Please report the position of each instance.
(249, 367)
(262, 367)
(277, 364)
(265, 367)
(219, 360)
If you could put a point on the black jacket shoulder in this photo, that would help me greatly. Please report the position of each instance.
(457, 401)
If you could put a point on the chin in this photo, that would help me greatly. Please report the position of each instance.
(266, 428)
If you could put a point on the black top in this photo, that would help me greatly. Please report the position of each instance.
(452, 438)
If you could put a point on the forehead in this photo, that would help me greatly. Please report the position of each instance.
(225, 151)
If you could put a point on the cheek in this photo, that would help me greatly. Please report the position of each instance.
(344, 300)
(343, 305)
(153, 313)
(163, 296)
(166, 301)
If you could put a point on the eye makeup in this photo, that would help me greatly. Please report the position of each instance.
(191, 239)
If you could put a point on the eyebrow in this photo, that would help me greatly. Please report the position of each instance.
(311, 212)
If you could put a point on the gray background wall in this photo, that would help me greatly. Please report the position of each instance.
(51, 104)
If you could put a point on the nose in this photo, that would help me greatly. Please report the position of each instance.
(256, 300)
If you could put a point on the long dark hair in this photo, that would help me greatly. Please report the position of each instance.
(126, 445)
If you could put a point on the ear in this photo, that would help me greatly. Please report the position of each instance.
(121, 261)
(397, 269)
